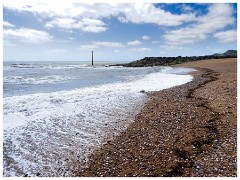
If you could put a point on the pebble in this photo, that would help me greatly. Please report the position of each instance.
(149, 144)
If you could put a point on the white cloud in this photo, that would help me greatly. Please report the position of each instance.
(140, 49)
(65, 23)
(72, 15)
(86, 25)
(94, 29)
(218, 17)
(146, 37)
(7, 24)
(134, 43)
(141, 13)
(93, 25)
(185, 8)
(66, 15)
(226, 36)
(88, 47)
(108, 44)
(184, 36)
(46, 9)
(27, 35)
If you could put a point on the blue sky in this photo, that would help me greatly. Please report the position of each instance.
(37, 30)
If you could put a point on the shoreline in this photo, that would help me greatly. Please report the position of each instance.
(188, 130)
(62, 128)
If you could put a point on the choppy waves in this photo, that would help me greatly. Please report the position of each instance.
(36, 80)
(52, 134)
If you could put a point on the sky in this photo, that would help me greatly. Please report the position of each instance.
(55, 30)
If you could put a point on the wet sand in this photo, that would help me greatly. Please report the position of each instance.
(188, 130)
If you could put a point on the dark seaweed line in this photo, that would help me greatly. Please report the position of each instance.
(183, 155)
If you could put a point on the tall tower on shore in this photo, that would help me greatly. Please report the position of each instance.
(92, 58)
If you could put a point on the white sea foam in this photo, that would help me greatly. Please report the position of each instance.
(48, 66)
(50, 133)
(69, 66)
(36, 80)
(178, 70)
(57, 66)
(25, 66)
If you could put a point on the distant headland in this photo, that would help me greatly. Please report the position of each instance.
(168, 61)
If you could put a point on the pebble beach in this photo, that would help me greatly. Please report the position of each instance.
(187, 131)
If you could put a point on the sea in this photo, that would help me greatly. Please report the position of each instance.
(55, 114)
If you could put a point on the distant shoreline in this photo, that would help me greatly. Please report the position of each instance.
(169, 61)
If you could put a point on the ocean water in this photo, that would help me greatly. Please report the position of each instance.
(55, 114)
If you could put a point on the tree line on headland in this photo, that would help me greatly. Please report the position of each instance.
(168, 61)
